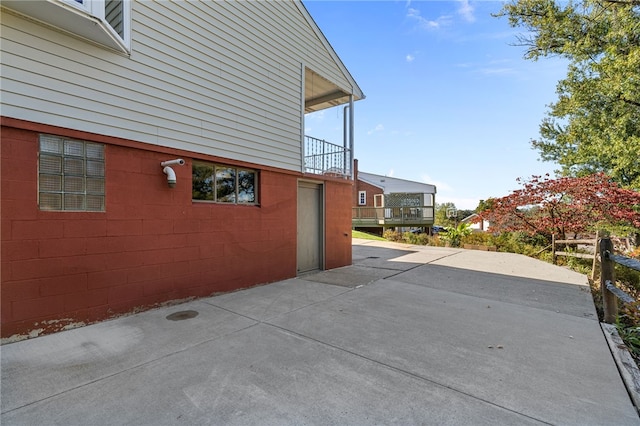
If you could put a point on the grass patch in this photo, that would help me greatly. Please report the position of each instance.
(365, 236)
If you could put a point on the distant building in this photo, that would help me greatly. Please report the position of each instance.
(476, 224)
(383, 202)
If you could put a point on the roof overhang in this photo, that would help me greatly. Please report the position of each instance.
(391, 185)
(320, 93)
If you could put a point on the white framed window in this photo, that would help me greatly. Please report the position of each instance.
(115, 14)
(70, 175)
(223, 184)
(378, 200)
(362, 198)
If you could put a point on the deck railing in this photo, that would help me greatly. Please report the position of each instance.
(326, 158)
(393, 216)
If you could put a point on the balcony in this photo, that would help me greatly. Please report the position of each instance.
(392, 216)
(325, 158)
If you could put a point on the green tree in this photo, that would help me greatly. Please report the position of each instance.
(484, 205)
(465, 213)
(441, 214)
(594, 126)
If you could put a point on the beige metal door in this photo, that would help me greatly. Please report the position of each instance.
(310, 227)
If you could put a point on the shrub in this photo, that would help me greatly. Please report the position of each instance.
(391, 235)
(521, 243)
(411, 238)
(454, 235)
(628, 326)
(629, 280)
(477, 238)
(417, 239)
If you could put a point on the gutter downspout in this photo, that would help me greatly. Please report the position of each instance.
(345, 138)
(351, 129)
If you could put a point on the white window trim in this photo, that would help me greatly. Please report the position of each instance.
(378, 200)
(89, 6)
(362, 198)
(96, 9)
(84, 20)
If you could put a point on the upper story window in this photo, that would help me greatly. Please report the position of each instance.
(362, 198)
(107, 22)
(224, 184)
(112, 11)
(378, 200)
(70, 174)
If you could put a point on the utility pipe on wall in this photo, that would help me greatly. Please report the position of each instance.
(171, 174)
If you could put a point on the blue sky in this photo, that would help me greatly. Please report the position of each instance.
(449, 101)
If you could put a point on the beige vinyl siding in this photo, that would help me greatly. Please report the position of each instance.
(220, 78)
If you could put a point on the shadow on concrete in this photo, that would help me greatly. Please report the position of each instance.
(406, 335)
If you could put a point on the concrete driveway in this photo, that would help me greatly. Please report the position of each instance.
(406, 335)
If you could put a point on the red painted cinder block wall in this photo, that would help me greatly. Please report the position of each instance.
(338, 250)
(151, 245)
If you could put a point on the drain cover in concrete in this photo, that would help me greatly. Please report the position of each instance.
(182, 315)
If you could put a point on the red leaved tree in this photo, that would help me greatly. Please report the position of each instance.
(564, 205)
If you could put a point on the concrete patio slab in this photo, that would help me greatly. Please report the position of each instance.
(36, 369)
(408, 335)
(538, 363)
(263, 376)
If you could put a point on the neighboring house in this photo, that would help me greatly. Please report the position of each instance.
(381, 202)
(154, 151)
(475, 223)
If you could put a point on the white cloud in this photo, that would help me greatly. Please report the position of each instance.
(427, 24)
(390, 173)
(410, 58)
(466, 11)
(378, 128)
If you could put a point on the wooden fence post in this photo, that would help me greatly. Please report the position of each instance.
(594, 267)
(607, 273)
(553, 248)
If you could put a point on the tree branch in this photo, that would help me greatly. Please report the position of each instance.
(629, 101)
(624, 2)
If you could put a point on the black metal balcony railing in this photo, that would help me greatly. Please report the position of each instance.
(392, 216)
(325, 158)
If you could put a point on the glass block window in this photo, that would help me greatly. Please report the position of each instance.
(223, 184)
(70, 175)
